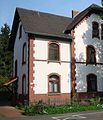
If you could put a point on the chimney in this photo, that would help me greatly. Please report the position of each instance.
(74, 13)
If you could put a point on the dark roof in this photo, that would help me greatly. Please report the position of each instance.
(39, 23)
(91, 9)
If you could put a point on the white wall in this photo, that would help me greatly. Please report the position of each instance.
(83, 37)
(22, 69)
(43, 68)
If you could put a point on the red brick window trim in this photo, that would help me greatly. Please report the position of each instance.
(95, 30)
(24, 54)
(53, 52)
(91, 55)
(54, 83)
(91, 83)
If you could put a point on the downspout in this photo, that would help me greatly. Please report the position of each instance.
(28, 67)
(71, 70)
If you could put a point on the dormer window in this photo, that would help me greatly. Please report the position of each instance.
(95, 30)
(91, 55)
(20, 31)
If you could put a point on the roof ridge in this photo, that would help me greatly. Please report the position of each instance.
(18, 8)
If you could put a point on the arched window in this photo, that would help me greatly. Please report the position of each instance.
(54, 52)
(20, 31)
(24, 85)
(95, 29)
(102, 31)
(91, 83)
(91, 55)
(54, 83)
(24, 54)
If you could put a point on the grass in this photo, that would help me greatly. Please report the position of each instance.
(68, 109)
(41, 108)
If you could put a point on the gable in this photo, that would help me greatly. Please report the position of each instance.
(39, 23)
(88, 11)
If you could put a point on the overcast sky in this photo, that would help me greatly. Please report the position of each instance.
(59, 7)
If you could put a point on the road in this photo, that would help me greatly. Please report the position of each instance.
(92, 115)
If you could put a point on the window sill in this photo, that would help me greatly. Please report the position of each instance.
(54, 61)
(23, 63)
(53, 94)
(96, 37)
(92, 92)
(91, 64)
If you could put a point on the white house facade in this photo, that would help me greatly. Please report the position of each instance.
(47, 69)
(42, 63)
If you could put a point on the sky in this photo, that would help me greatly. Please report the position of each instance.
(58, 7)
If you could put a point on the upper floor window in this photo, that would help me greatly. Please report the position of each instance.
(102, 31)
(54, 84)
(24, 54)
(20, 31)
(91, 83)
(95, 30)
(54, 52)
(91, 55)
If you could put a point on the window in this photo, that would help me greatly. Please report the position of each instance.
(24, 54)
(53, 52)
(102, 31)
(24, 92)
(91, 55)
(54, 84)
(20, 32)
(16, 68)
(95, 30)
(91, 83)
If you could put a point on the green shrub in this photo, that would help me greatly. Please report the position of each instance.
(37, 108)
(20, 106)
(95, 101)
(75, 100)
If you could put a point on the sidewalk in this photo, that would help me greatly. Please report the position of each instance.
(9, 111)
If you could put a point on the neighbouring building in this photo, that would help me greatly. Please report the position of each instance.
(56, 57)
(87, 53)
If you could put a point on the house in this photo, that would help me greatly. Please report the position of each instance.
(87, 52)
(42, 57)
(56, 57)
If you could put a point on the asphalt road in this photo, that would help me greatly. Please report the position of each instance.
(92, 115)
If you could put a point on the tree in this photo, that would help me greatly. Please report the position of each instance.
(102, 2)
(5, 55)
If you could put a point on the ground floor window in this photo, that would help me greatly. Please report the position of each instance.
(54, 83)
(24, 85)
(91, 83)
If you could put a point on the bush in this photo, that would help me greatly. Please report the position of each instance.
(95, 101)
(37, 108)
(75, 100)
